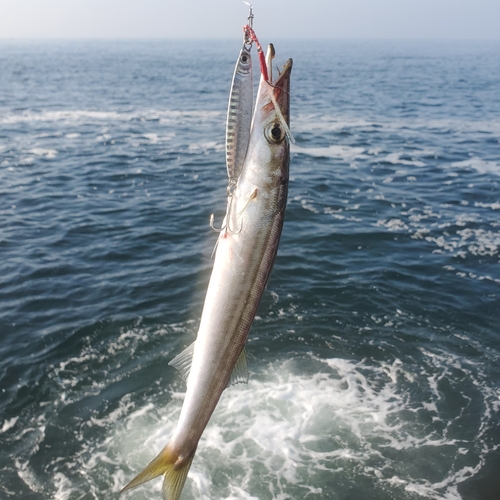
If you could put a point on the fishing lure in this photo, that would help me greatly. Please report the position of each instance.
(239, 111)
(239, 115)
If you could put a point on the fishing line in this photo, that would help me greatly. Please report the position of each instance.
(250, 37)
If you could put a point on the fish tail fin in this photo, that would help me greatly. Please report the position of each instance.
(174, 479)
(168, 464)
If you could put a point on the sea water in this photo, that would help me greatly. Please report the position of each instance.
(375, 353)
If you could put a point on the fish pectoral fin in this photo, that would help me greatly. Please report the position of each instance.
(240, 370)
(183, 361)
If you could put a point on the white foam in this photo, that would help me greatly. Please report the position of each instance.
(207, 147)
(393, 224)
(306, 205)
(343, 417)
(70, 116)
(47, 153)
(55, 116)
(154, 138)
(335, 151)
(319, 122)
(395, 159)
(103, 138)
(478, 242)
(493, 206)
(480, 165)
(8, 424)
(329, 123)
(26, 160)
(64, 488)
(302, 422)
(439, 228)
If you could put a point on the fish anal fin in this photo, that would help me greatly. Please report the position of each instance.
(183, 361)
(240, 370)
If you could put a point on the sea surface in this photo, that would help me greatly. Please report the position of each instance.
(375, 353)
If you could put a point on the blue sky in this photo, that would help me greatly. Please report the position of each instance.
(460, 19)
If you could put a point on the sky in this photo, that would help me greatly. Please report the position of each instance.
(351, 19)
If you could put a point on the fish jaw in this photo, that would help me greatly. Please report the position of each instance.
(280, 87)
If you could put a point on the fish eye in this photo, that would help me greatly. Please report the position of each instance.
(275, 133)
(244, 58)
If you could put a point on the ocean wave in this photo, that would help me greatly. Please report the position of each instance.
(344, 152)
(314, 122)
(481, 166)
(358, 418)
(69, 116)
(301, 423)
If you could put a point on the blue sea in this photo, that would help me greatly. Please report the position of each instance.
(375, 354)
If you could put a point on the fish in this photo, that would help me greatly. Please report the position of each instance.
(246, 249)
(239, 114)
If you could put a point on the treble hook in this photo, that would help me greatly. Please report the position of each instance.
(223, 228)
(212, 225)
(226, 227)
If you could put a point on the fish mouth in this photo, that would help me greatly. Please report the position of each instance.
(284, 73)
(281, 86)
(282, 89)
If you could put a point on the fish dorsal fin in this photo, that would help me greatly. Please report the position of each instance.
(240, 371)
(183, 361)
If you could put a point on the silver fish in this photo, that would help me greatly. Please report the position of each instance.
(243, 262)
(239, 115)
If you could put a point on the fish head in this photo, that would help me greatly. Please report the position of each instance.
(272, 94)
(269, 146)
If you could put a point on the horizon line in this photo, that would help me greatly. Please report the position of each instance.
(298, 39)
